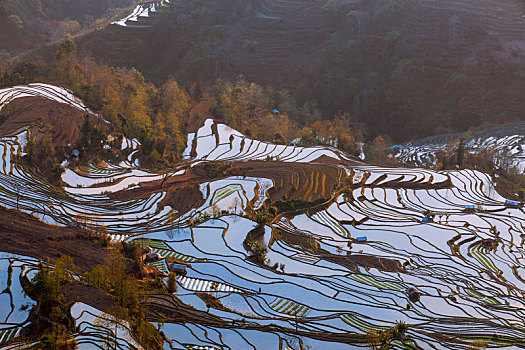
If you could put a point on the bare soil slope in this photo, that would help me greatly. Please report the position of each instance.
(64, 121)
(23, 234)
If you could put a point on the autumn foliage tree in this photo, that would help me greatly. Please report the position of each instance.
(134, 106)
(52, 318)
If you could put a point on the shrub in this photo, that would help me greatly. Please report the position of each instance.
(98, 276)
(258, 253)
(172, 282)
(295, 204)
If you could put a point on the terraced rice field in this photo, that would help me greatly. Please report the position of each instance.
(141, 14)
(230, 145)
(95, 329)
(509, 140)
(329, 288)
(98, 330)
(14, 305)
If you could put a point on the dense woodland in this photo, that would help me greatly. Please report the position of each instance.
(157, 114)
(338, 72)
(401, 69)
(153, 114)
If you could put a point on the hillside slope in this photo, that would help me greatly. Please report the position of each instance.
(27, 24)
(441, 65)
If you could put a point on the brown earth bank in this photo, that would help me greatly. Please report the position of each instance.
(25, 235)
(303, 181)
(87, 294)
(163, 307)
(351, 261)
(292, 181)
(198, 115)
(183, 191)
(508, 188)
(64, 121)
(167, 308)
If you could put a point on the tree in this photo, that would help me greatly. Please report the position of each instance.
(258, 253)
(98, 276)
(67, 50)
(57, 339)
(399, 329)
(146, 334)
(380, 337)
(24, 72)
(64, 270)
(460, 152)
(112, 105)
(92, 140)
(172, 282)
(5, 63)
(51, 311)
(330, 7)
(113, 319)
(214, 287)
(16, 22)
(18, 188)
(197, 92)
(357, 16)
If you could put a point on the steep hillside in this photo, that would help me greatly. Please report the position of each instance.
(265, 39)
(27, 23)
(442, 65)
